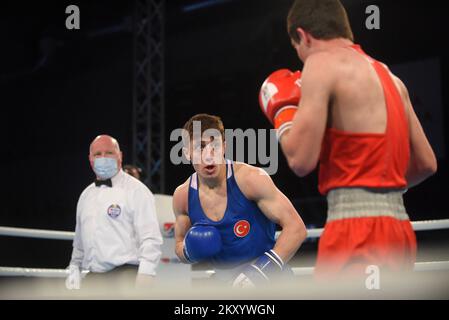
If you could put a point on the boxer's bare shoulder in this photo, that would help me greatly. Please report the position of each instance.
(251, 180)
(322, 60)
(404, 93)
(321, 70)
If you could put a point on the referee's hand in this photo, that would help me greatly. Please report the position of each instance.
(73, 281)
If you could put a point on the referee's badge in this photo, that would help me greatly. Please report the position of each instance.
(114, 210)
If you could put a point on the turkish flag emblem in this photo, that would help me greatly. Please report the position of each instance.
(241, 228)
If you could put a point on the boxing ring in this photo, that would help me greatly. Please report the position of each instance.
(170, 264)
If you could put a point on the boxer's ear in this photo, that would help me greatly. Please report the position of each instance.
(186, 142)
(186, 152)
(224, 146)
(304, 36)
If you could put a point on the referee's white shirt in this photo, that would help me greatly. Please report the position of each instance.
(116, 226)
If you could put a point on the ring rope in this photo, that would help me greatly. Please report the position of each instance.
(299, 271)
(424, 225)
(307, 271)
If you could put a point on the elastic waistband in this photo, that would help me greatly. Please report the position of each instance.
(346, 203)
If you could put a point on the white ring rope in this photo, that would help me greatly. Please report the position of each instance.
(36, 233)
(300, 271)
(424, 225)
(35, 272)
(307, 271)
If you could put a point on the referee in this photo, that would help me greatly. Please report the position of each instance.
(117, 236)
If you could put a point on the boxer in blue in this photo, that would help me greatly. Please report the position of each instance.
(226, 212)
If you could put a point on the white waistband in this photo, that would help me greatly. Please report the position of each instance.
(360, 202)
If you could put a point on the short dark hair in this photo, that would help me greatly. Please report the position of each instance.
(131, 167)
(323, 19)
(207, 122)
(133, 170)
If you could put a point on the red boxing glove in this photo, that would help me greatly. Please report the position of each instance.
(279, 98)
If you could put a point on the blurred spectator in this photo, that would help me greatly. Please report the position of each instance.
(133, 170)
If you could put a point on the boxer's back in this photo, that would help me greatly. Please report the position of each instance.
(366, 142)
(358, 101)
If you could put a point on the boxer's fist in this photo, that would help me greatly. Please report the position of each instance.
(279, 98)
(259, 272)
(201, 242)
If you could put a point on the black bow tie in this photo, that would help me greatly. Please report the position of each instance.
(106, 182)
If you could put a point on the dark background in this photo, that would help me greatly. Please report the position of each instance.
(60, 88)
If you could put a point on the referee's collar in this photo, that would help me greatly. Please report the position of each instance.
(114, 180)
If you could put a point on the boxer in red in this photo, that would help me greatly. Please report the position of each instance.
(348, 112)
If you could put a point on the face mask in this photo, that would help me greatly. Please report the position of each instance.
(105, 168)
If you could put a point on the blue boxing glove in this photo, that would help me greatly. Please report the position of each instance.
(260, 271)
(201, 242)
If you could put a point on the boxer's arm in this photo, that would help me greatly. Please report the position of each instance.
(182, 223)
(257, 185)
(302, 143)
(422, 163)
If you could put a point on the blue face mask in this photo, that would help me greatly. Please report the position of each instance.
(105, 168)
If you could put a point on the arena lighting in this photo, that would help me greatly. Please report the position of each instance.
(203, 4)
